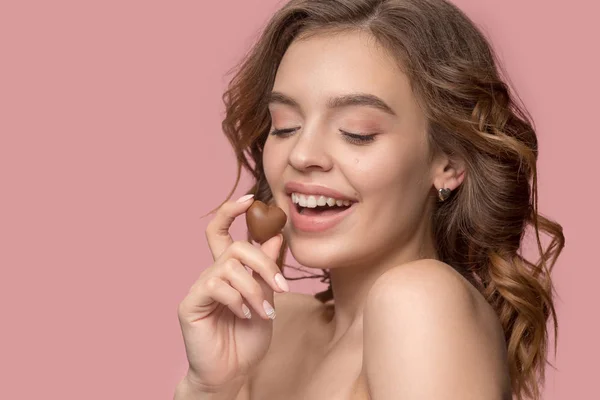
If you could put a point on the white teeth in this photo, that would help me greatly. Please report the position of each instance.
(312, 201)
(302, 201)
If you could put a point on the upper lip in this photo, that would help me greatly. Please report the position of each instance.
(309, 188)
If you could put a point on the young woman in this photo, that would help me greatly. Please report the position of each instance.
(407, 170)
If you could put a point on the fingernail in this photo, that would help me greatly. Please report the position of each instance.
(281, 282)
(246, 311)
(244, 198)
(269, 309)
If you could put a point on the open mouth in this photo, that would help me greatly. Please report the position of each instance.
(322, 211)
(319, 218)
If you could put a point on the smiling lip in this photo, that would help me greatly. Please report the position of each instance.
(316, 223)
(306, 188)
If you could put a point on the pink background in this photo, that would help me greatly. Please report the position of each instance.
(111, 150)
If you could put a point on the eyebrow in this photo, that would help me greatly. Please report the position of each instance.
(353, 99)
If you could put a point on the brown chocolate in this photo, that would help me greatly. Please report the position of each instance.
(264, 221)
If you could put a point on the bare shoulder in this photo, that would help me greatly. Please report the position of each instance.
(424, 321)
(435, 283)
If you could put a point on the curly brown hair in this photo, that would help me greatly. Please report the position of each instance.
(473, 115)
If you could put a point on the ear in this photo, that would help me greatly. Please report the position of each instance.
(448, 172)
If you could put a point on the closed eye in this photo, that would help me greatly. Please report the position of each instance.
(359, 139)
(281, 132)
(354, 138)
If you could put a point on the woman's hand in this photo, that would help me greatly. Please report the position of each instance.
(220, 342)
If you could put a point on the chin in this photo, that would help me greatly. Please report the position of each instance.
(319, 253)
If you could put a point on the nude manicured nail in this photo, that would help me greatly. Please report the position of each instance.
(269, 309)
(246, 311)
(244, 198)
(281, 282)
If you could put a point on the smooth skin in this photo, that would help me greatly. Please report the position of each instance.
(427, 327)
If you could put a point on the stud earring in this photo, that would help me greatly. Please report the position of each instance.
(444, 193)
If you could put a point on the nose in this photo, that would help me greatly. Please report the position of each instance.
(310, 152)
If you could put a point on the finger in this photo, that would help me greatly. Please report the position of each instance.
(217, 230)
(255, 258)
(271, 249)
(272, 246)
(213, 290)
(251, 291)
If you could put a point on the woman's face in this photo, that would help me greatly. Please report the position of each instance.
(387, 176)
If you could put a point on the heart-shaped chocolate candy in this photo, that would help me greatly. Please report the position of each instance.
(264, 221)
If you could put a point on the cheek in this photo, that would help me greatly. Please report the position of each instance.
(274, 161)
(391, 187)
(388, 172)
(268, 161)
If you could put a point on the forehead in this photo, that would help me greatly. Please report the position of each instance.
(315, 69)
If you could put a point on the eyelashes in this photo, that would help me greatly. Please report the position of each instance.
(354, 138)
(358, 138)
(281, 132)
